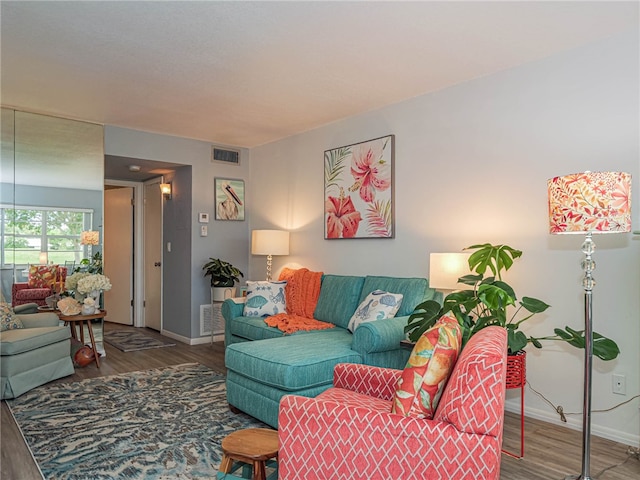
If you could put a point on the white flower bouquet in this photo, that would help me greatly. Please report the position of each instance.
(93, 282)
(71, 282)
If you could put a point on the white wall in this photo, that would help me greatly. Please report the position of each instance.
(472, 163)
(226, 239)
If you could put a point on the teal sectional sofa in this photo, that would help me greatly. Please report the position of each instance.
(263, 364)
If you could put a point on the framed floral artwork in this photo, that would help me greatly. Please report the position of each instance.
(358, 190)
(229, 199)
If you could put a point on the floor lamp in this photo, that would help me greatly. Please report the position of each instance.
(588, 203)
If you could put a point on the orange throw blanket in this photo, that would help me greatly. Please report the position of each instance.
(301, 294)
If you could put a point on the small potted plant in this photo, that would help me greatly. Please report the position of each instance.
(223, 278)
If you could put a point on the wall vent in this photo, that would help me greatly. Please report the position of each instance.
(225, 155)
(211, 318)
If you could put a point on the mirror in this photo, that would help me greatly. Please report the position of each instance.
(52, 175)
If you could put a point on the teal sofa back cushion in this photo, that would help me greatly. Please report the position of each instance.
(338, 299)
(413, 291)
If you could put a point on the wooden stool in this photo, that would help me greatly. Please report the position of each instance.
(253, 447)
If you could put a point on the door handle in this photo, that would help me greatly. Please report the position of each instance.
(157, 264)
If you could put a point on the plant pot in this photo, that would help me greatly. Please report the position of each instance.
(220, 294)
(517, 369)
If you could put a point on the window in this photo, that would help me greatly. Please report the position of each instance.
(28, 231)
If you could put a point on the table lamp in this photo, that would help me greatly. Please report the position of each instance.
(588, 203)
(446, 268)
(269, 243)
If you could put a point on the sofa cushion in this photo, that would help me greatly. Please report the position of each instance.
(13, 342)
(430, 364)
(379, 305)
(413, 290)
(295, 362)
(8, 319)
(252, 328)
(265, 298)
(345, 288)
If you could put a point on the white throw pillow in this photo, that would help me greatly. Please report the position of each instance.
(265, 298)
(378, 305)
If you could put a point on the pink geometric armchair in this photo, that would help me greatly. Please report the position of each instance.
(42, 279)
(349, 432)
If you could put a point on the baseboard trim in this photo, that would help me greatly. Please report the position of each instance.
(192, 341)
(574, 423)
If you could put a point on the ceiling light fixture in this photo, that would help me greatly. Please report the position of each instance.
(134, 168)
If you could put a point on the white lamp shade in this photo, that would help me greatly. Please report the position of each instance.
(270, 242)
(44, 258)
(597, 202)
(446, 268)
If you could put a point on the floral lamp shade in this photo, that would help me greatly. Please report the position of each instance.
(597, 202)
(89, 237)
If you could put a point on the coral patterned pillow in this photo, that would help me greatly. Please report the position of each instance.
(42, 276)
(427, 371)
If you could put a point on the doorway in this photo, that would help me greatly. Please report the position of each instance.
(153, 254)
(118, 244)
(143, 303)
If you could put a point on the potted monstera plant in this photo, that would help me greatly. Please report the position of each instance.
(223, 278)
(491, 301)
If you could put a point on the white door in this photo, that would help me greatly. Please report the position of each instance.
(118, 254)
(153, 255)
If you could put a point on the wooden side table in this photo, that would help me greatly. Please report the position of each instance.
(252, 446)
(80, 319)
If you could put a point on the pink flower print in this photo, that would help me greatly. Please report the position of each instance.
(342, 218)
(370, 172)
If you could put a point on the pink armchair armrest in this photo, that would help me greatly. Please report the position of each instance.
(321, 438)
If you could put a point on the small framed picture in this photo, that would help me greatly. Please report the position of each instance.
(229, 195)
(203, 217)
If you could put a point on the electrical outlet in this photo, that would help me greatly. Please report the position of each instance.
(619, 384)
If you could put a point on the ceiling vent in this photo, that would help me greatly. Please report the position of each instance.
(225, 155)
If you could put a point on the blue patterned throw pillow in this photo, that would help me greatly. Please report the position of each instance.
(8, 320)
(265, 298)
(378, 305)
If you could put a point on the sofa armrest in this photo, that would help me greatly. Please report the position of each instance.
(25, 308)
(231, 309)
(379, 335)
(376, 382)
(478, 378)
(326, 440)
(45, 319)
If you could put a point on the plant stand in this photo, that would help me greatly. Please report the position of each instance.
(517, 378)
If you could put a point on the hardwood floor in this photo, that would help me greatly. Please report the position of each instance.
(551, 452)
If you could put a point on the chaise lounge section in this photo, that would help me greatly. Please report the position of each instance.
(263, 364)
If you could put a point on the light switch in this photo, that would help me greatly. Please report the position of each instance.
(168, 246)
(204, 230)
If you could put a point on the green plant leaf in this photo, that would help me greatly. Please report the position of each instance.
(494, 257)
(470, 279)
(534, 305)
(495, 297)
(603, 347)
(424, 317)
(516, 340)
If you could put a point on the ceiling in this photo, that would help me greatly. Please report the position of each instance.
(241, 73)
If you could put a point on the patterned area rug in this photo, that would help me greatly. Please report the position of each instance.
(129, 341)
(164, 423)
